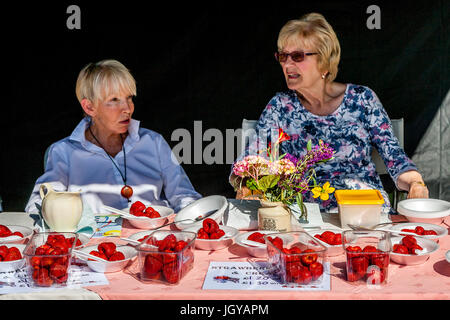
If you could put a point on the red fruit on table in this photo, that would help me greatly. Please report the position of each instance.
(217, 235)
(4, 231)
(169, 256)
(57, 270)
(399, 248)
(180, 245)
(409, 241)
(337, 239)
(42, 278)
(137, 207)
(328, 237)
(316, 269)
(359, 265)
(171, 272)
(368, 249)
(257, 237)
(3, 251)
(107, 248)
(419, 230)
(381, 260)
(293, 271)
(353, 251)
(153, 264)
(309, 258)
(98, 254)
(305, 276)
(210, 225)
(201, 234)
(277, 242)
(13, 254)
(117, 256)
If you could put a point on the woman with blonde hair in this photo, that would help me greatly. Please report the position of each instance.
(349, 117)
(109, 156)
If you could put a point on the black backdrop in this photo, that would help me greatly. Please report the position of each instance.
(210, 62)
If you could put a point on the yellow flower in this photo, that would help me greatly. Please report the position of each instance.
(323, 192)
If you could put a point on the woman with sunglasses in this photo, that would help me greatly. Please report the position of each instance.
(109, 157)
(349, 117)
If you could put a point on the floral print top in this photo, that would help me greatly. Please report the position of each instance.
(352, 130)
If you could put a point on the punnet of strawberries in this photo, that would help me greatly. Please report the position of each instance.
(167, 260)
(50, 261)
(296, 265)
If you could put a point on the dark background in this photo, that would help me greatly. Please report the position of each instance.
(202, 61)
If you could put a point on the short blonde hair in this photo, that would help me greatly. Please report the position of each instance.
(314, 31)
(97, 81)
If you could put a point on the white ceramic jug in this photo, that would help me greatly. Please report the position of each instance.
(61, 210)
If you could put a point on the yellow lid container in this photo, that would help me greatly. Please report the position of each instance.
(359, 207)
(358, 197)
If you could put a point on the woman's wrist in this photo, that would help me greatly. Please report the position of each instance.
(418, 182)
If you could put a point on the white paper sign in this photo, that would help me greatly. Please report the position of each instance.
(255, 276)
(20, 282)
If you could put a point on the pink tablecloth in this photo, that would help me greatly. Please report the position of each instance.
(430, 280)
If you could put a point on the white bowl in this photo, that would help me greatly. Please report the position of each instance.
(424, 210)
(447, 256)
(201, 207)
(27, 233)
(139, 235)
(109, 266)
(332, 250)
(215, 244)
(258, 252)
(441, 231)
(429, 246)
(151, 223)
(6, 266)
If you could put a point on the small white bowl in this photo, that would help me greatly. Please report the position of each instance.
(27, 233)
(257, 252)
(215, 244)
(441, 231)
(429, 246)
(332, 250)
(151, 223)
(424, 210)
(139, 235)
(109, 266)
(6, 266)
(201, 207)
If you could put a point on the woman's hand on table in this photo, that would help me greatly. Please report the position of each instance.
(417, 190)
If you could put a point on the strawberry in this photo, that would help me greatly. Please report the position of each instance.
(3, 251)
(13, 254)
(116, 256)
(107, 248)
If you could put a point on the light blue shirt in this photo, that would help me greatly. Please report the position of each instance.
(153, 172)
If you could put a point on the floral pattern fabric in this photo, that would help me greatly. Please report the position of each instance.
(359, 124)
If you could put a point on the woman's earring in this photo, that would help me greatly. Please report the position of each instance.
(323, 76)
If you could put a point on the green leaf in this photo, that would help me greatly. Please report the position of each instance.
(267, 182)
(309, 145)
(251, 184)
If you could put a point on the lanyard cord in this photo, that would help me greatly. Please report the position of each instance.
(124, 177)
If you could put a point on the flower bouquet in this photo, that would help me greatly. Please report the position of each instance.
(285, 178)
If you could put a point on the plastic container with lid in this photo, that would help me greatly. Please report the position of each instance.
(359, 207)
